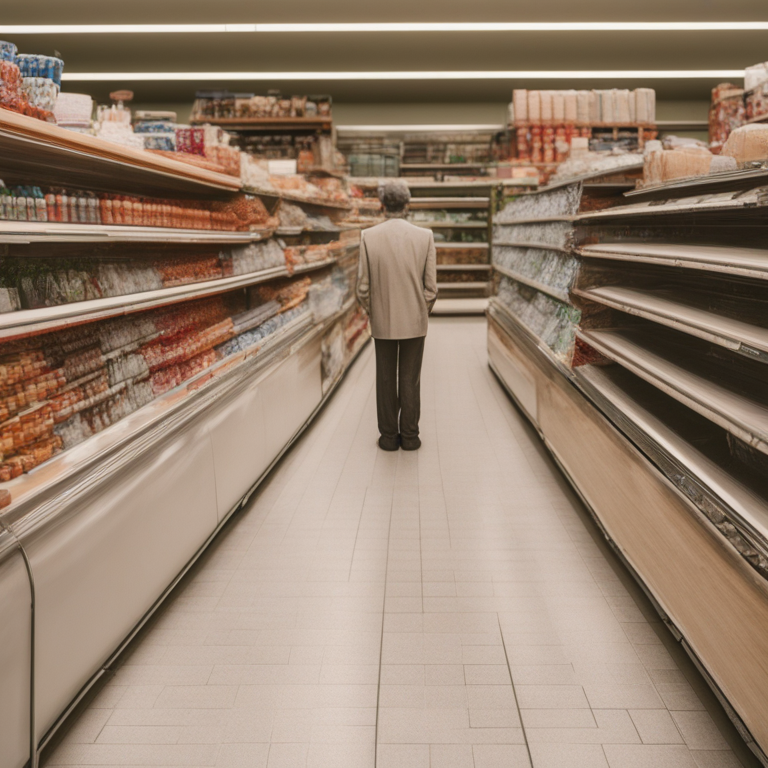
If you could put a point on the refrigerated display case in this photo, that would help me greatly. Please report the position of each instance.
(150, 377)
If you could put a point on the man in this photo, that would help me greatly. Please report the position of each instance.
(397, 286)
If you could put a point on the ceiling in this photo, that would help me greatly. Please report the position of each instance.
(414, 51)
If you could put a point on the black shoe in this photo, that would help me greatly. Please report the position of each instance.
(389, 445)
(410, 445)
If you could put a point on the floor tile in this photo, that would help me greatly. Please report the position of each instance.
(470, 556)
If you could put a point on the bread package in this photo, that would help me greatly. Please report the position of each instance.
(571, 107)
(747, 144)
(558, 107)
(546, 106)
(534, 107)
(684, 163)
(520, 103)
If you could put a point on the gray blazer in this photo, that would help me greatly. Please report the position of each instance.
(397, 278)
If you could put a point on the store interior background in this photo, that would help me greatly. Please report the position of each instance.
(398, 102)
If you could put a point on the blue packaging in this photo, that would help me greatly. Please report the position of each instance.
(8, 51)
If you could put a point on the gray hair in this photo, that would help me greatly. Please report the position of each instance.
(394, 196)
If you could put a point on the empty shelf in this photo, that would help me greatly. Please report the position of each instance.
(738, 413)
(557, 293)
(749, 340)
(750, 262)
(625, 400)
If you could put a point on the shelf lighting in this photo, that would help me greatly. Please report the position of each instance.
(640, 74)
(534, 26)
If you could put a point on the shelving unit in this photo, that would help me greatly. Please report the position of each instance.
(45, 232)
(32, 149)
(268, 123)
(145, 488)
(650, 369)
(462, 256)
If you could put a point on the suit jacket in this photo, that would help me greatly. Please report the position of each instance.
(397, 278)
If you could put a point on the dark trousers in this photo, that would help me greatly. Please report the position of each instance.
(398, 386)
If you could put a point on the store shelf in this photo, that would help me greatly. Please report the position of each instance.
(475, 286)
(727, 407)
(415, 183)
(683, 125)
(180, 403)
(462, 246)
(533, 244)
(515, 330)
(33, 150)
(47, 232)
(453, 203)
(678, 449)
(534, 220)
(320, 171)
(27, 322)
(267, 123)
(463, 267)
(555, 293)
(747, 262)
(442, 166)
(744, 338)
(730, 181)
(460, 306)
(276, 194)
(451, 225)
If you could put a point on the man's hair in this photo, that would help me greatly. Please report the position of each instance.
(394, 196)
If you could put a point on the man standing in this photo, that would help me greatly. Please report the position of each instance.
(397, 286)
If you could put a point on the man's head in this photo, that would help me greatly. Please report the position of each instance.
(394, 196)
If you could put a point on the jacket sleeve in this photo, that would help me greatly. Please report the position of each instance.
(430, 275)
(363, 289)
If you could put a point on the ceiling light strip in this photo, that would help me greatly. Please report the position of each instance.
(640, 74)
(535, 26)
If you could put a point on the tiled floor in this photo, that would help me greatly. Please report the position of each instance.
(450, 608)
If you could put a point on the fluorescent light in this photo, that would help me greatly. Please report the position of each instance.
(640, 74)
(535, 26)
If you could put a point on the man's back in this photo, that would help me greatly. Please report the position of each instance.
(397, 282)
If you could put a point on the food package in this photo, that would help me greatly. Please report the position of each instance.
(41, 92)
(534, 107)
(728, 112)
(582, 107)
(685, 162)
(652, 171)
(73, 109)
(645, 106)
(34, 65)
(622, 112)
(595, 113)
(608, 107)
(747, 144)
(254, 257)
(558, 107)
(181, 270)
(755, 75)
(571, 107)
(546, 98)
(8, 51)
(11, 95)
(292, 216)
(520, 103)
(756, 103)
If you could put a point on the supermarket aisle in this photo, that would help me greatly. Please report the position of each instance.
(373, 609)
